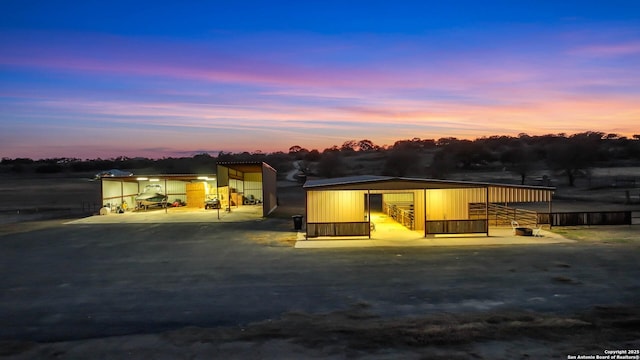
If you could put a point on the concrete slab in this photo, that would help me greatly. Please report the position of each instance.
(497, 236)
(176, 215)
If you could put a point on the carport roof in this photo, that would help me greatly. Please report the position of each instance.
(245, 166)
(184, 177)
(372, 182)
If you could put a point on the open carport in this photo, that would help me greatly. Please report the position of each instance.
(176, 215)
(236, 190)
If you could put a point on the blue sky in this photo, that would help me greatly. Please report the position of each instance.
(103, 79)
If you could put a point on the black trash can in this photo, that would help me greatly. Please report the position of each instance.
(297, 222)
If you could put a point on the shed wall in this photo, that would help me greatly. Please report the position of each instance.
(501, 194)
(335, 206)
(115, 192)
(452, 204)
(253, 185)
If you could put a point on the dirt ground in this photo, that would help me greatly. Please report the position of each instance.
(213, 290)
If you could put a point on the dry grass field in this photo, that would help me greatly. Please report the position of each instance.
(498, 302)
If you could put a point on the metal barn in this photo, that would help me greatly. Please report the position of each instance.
(344, 206)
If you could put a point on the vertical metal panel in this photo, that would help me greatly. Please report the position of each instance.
(222, 175)
(236, 185)
(253, 185)
(505, 194)
(130, 190)
(269, 190)
(335, 206)
(115, 192)
(398, 197)
(176, 190)
(110, 190)
(418, 209)
(450, 204)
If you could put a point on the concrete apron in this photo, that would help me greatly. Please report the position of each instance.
(176, 215)
(408, 238)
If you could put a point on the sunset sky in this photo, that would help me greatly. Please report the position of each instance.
(92, 79)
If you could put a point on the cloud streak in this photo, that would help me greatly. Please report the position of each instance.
(274, 90)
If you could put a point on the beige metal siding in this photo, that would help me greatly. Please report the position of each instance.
(175, 190)
(253, 185)
(452, 204)
(335, 206)
(222, 175)
(418, 208)
(500, 194)
(115, 192)
(111, 190)
(130, 191)
(406, 197)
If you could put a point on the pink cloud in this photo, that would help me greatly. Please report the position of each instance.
(609, 50)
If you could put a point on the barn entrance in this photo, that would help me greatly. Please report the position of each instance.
(390, 214)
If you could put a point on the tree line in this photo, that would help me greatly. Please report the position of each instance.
(569, 155)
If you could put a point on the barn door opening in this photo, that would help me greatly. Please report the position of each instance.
(373, 203)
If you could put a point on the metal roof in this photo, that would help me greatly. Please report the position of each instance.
(246, 166)
(135, 178)
(372, 182)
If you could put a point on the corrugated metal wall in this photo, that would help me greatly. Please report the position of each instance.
(441, 204)
(114, 192)
(398, 198)
(452, 204)
(222, 175)
(111, 192)
(130, 192)
(174, 189)
(336, 206)
(418, 208)
(236, 185)
(253, 185)
(499, 194)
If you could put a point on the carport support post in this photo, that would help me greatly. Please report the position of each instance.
(424, 222)
(369, 210)
(486, 208)
(121, 192)
(166, 193)
(550, 210)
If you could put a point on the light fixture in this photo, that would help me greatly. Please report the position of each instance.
(154, 179)
(203, 178)
(142, 178)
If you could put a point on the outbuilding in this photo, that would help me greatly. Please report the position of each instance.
(234, 184)
(348, 206)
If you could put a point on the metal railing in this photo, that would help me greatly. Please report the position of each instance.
(500, 215)
(586, 218)
(401, 212)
